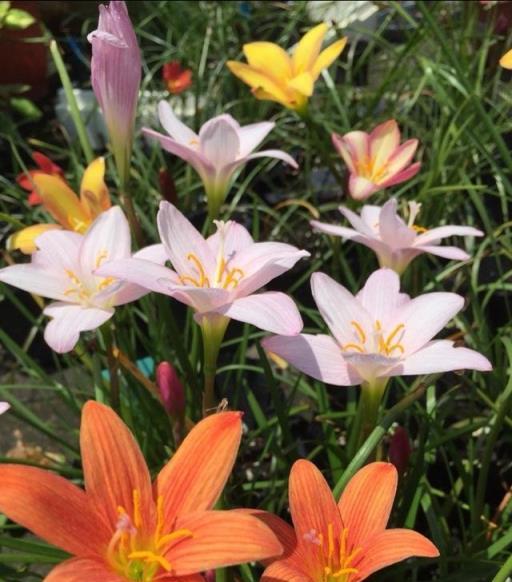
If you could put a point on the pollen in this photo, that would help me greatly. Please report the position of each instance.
(377, 342)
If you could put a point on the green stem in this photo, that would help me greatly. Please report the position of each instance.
(73, 105)
(504, 572)
(213, 328)
(368, 410)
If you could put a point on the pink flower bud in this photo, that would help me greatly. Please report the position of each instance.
(400, 449)
(171, 389)
(209, 576)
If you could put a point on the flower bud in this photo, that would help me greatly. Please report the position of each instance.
(171, 389)
(400, 449)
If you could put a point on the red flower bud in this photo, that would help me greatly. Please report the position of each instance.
(171, 389)
(400, 449)
(167, 186)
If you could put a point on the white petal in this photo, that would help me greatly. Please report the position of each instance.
(393, 230)
(36, 279)
(276, 154)
(4, 407)
(174, 127)
(251, 136)
(58, 249)
(440, 232)
(154, 253)
(380, 295)
(219, 142)
(233, 238)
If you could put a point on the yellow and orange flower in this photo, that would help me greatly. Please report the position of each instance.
(506, 60)
(341, 542)
(122, 527)
(275, 76)
(70, 211)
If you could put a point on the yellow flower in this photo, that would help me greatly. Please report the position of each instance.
(506, 60)
(275, 76)
(70, 211)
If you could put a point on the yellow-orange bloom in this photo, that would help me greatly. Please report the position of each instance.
(66, 208)
(123, 527)
(345, 541)
(275, 76)
(506, 60)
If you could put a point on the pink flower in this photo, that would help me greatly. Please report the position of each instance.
(395, 242)
(115, 77)
(4, 407)
(376, 334)
(217, 152)
(376, 160)
(217, 276)
(62, 269)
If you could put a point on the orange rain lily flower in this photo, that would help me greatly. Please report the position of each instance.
(176, 78)
(70, 211)
(275, 76)
(341, 542)
(124, 528)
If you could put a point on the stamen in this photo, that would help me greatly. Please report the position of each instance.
(179, 533)
(395, 347)
(101, 256)
(231, 279)
(414, 209)
(330, 537)
(151, 557)
(359, 331)
(137, 518)
(392, 335)
(353, 347)
(199, 266)
(419, 229)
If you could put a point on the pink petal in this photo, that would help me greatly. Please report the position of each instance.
(68, 320)
(341, 231)
(353, 147)
(436, 234)
(276, 154)
(453, 253)
(203, 300)
(318, 356)
(407, 174)
(182, 240)
(272, 311)
(402, 157)
(369, 366)
(361, 188)
(339, 308)
(252, 135)
(154, 253)
(219, 142)
(4, 407)
(441, 356)
(424, 316)
(262, 262)
(174, 127)
(393, 230)
(384, 140)
(370, 215)
(58, 251)
(36, 279)
(232, 236)
(381, 296)
(357, 222)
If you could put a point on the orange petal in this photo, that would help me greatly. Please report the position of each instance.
(114, 466)
(61, 202)
(80, 569)
(93, 191)
(506, 60)
(24, 240)
(312, 504)
(52, 508)
(366, 503)
(392, 546)
(283, 571)
(221, 538)
(173, 578)
(195, 477)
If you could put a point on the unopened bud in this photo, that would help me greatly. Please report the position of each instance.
(400, 449)
(167, 186)
(171, 389)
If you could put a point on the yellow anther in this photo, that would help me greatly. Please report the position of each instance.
(137, 517)
(419, 229)
(100, 257)
(151, 557)
(175, 535)
(233, 278)
(392, 335)
(330, 537)
(353, 347)
(394, 347)
(359, 331)
(72, 276)
(105, 283)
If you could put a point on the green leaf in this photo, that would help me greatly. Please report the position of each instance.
(18, 19)
(26, 108)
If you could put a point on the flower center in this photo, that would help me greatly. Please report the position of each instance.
(223, 278)
(381, 343)
(135, 555)
(332, 558)
(366, 168)
(80, 292)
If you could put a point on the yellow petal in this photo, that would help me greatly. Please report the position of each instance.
(328, 56)
(93, 191)
(269, 58)
(24, 240)
(506, 60)
(258, 80)
(303, 83)
(61, 202)
(308, 49)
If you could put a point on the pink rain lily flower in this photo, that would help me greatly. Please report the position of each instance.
(395, 242)
(376, 160)
(4, 407)
(217, 152)
(217, 276)
(115, 76)
(376, 334)
(62, 269)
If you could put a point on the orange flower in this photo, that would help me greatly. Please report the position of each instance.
(176, 78)
(124, 528)
(344, 542)
(70, 211)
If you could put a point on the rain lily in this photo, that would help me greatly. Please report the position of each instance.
(395, 242)
(376, 334)
(115, 76)
(218, 278)
(70, 211)
(4, 407)
(170, 388)
(176, 78)
(45, 166)
(275, 76)
(506, 60)
(345, 541)
(217, 152)
(62, 269)
(376, 160)
(122, 527)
